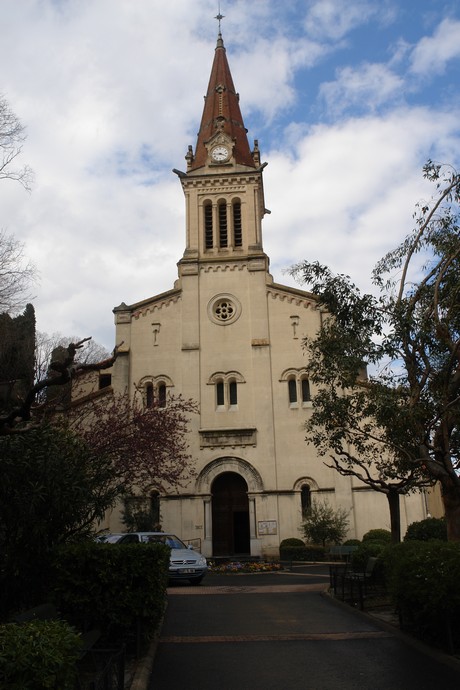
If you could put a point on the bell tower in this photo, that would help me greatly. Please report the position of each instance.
(223, 184)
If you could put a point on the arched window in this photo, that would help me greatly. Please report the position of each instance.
(208, 234)
(305, 499)
(305, 390)
(149, 395)
(237, 227)
(233, 393)
(223, 232)
(292, 389)
(220, 398)
(161, 395)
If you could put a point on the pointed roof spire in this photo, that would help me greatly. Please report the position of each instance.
(221, 111)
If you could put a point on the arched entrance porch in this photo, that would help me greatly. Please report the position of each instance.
(244, 488)
(230, 516)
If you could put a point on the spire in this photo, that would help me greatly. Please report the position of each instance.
(221, 112)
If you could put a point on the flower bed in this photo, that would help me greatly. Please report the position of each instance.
(245, 567)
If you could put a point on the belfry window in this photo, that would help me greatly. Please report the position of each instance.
(208, 234)
(237, 227)
(223, 231)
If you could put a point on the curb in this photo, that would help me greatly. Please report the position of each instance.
(144, 668)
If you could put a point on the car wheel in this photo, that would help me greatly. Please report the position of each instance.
(196, 580)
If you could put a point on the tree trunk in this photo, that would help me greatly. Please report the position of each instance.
(451, 500)
(395, 516)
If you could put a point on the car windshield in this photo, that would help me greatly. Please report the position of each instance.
(169, 539)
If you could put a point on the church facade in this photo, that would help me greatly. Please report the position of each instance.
(229, 337)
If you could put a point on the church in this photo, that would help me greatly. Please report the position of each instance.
(229, 337)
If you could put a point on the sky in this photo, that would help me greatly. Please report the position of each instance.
(347, 98)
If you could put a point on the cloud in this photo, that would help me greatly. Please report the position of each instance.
(111, 95)
(366, 88)
(334, 19)
(432, 53)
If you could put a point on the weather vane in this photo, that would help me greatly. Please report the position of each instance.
(219, 17)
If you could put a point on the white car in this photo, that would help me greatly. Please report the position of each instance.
(184, 564)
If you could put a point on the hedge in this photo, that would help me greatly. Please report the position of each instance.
(38, 655)
(113, 587)
(422, 579)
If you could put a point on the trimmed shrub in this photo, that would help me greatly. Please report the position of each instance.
(292, 541)
(352, 542)
(422, 579)
(112, 586)
(366, 550)
(426, 530)
(382, 535)
(38, 655)
(304, 552)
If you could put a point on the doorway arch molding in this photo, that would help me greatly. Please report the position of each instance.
(229, 464)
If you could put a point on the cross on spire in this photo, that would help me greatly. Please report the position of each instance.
(219, 16)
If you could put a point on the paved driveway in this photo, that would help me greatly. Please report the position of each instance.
(278, 630)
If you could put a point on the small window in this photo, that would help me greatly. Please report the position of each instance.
(305, 390)
(223, 236)
(292, 388)
(220, 393)
(208, 238)
(305, 499)
(105, 380)
(162, 395)
(233, 393)
(237, 228)
(149, 395)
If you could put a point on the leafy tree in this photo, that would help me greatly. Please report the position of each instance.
(53, 488)
(146, 444)
(397, 430)
(322, 524)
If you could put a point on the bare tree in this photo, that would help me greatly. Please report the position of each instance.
(46, 344)
(17, 275)
(27, 414)
(12, 136)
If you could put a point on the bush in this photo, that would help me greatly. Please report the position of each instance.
(366, 550)
(292, 541)
(324, 525)
(426, 530)
(301, 552)
(112, 586)
(422, 579)
(38, 655)
(381, 535)
(352, 542)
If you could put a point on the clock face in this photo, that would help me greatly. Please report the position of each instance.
(219, 153)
